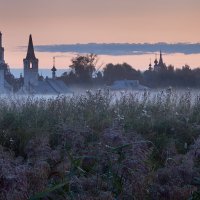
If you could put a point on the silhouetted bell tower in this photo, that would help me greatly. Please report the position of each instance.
(30, 66)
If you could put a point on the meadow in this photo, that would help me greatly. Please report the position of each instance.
(101, 145)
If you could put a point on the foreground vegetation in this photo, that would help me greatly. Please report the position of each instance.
(101, 145)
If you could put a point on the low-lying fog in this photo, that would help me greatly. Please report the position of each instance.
(116, 94)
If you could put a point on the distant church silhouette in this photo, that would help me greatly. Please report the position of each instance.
(159, 66)
(31, 83)
(35, 85)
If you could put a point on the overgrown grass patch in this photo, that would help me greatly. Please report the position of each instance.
(120, 143)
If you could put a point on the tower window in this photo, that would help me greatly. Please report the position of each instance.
(31, 65)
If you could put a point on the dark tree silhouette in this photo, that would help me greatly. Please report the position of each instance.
(83, 67)
(184, 77)
(120, 72)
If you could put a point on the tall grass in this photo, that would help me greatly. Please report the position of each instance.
(109, 139)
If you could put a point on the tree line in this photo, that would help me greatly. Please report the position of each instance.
(85, 71)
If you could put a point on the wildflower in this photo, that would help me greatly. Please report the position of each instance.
(144, 112)
(185, 146)
(169, 89)
(11, 141)
(120, 117)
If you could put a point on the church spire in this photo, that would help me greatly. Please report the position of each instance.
(30, 53)
(0, 39)
(161, 60)
(30, 67)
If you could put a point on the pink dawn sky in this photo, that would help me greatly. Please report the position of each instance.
(99, 21)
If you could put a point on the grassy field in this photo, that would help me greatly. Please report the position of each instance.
(100, 145)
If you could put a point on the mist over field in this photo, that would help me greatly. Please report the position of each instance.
(45, 72)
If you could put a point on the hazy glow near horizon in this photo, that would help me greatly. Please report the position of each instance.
(105, 21)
